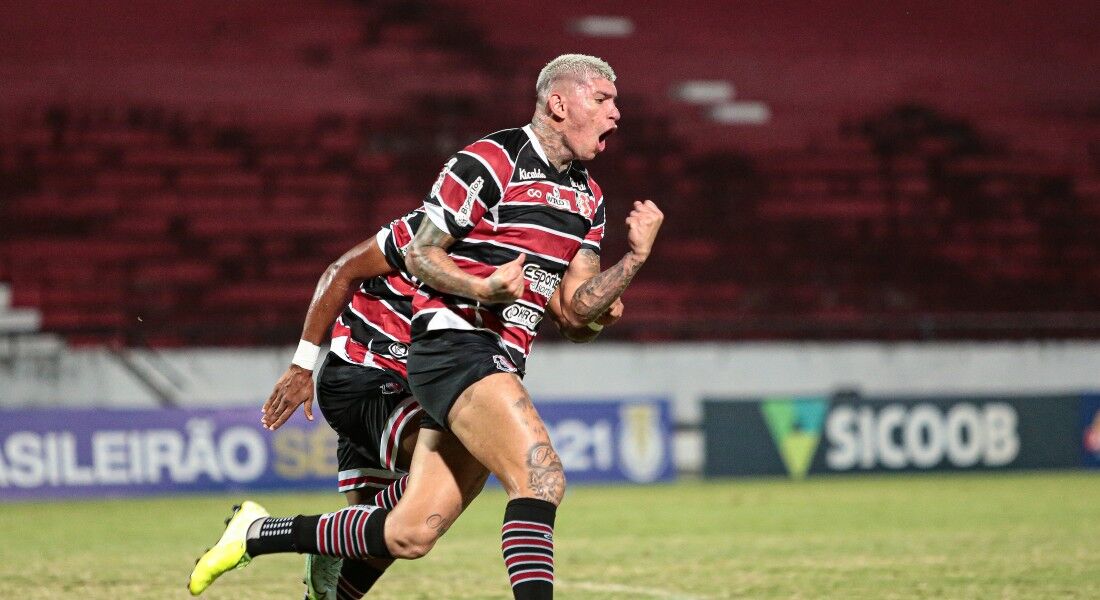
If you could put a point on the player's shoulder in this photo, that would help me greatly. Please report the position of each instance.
(506, 141)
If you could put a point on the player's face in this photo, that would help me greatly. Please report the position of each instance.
(591, 117)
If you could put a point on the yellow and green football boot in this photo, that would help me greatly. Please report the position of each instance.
(229, 553)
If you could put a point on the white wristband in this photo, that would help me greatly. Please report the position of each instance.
(306, 355)
(594, 326)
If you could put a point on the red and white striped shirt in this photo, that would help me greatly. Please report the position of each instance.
(500, 197)
(373, 329)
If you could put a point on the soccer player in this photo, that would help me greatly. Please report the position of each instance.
(365, 297)
(511, 218)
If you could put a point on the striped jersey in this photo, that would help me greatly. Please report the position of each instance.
(500, 197)
(373, 329)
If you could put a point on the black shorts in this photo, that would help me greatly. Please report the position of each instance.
(443, 363)
(369, 408)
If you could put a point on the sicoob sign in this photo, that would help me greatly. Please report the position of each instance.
(814, 435)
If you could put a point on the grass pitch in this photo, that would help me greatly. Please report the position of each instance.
(960, 536)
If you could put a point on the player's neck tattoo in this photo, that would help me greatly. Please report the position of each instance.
(552, 144)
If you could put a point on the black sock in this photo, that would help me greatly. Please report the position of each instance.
(527, 540)
(356, 579)
(271, 535)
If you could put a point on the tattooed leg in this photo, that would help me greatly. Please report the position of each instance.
(445, 479)
(497, 422)
(545, 477)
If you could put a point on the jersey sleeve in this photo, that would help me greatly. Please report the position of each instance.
(394, 239)
(594, 238)
(469, 186)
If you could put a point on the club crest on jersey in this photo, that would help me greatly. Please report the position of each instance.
(462, 217)
(503, 364)
(535, 173)
(553, 198)
(578, 185)
(399, 350)
(543, 283)
(586, 205)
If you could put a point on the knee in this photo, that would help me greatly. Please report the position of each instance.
(410, 538)
(412, 545)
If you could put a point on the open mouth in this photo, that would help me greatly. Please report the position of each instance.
(604, 136)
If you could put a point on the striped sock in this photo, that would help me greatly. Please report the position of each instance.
(527, 540)
(389, 497)
(357, 577)
(355, 532)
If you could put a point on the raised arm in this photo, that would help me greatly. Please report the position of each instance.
(428, 260)
(586, 292)
(333, 292)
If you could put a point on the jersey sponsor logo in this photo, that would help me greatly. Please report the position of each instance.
(554, 199)
(523, 316)
(534, 193)
(463, 215)
(438, 185)
(532, 174)
(543, 283)
(503, 364)
(398, 350)
(586, 205)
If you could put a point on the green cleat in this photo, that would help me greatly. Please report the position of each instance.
(229, 553)
(322, 573)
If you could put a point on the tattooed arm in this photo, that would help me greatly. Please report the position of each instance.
(428, 260)
(584, 333)
(587, 293)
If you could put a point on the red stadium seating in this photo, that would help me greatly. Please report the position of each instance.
(213, 158)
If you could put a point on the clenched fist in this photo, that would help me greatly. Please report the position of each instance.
(642, 225)
(506, 284)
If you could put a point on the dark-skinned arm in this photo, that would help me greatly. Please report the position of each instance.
(334, 290)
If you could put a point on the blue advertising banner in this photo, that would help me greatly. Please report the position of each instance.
(126, 452)
(627, 440)
(1090, 431)
(74, 453)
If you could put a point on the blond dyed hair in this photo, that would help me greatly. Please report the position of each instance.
(578, 67)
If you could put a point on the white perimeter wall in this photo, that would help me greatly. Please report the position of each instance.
(685, 373)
